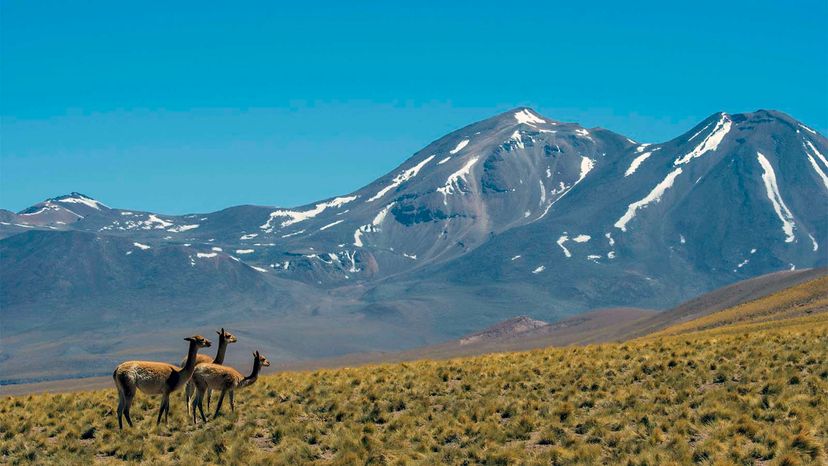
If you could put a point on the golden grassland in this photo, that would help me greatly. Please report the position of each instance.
(800, 300)
(753, 393)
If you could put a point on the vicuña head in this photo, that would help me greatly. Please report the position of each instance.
(154, 378)
(224, 378)
(225, 338)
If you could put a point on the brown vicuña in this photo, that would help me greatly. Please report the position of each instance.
(154, 378)
(224, 378)
(225, 338)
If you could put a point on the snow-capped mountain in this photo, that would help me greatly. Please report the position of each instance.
(55, 213)
(516, 214)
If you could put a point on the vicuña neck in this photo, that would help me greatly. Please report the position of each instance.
(250, 379)
(189, 366)
(222, 348)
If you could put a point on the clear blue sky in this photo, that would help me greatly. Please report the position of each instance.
(189, 107)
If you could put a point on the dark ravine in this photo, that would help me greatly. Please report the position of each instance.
(516, 214)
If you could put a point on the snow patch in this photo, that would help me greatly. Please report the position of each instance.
(527, 117)
(542, 200)
(380, 217)
(154, 219)
(351, 256)
(609, 239)
(87, 201)
(637, 162)
(206, 255)
(401, 178)
(444, 160)
(143, 247)
(516, 139)
(299, 216)
(245, 251)
(769, 178)
(331, 224)
(293, 234)
(516, 257)
(581, 238)
(587, 165)
(699, 132)
(711, 142)
(217, 249)
(653, 197)
(563, 239)
(258, 269)
(372, 227)
(539, 269)
(249, 236)
(42, 209)
(814, 163)
(180, 228)
(814, 242)
(807, 129)
(453, 184)
(459, 147)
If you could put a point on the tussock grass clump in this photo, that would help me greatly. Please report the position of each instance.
(729, 395)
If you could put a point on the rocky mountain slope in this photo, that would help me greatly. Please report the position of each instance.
(516, 214)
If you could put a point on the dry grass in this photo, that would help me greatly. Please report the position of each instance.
(748, 394)
(801, 300)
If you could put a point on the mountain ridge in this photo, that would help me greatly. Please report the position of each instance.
(779, 115)
(514, 214)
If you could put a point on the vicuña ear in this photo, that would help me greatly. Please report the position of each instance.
(189, 339)
(222, 330)
(219, 333)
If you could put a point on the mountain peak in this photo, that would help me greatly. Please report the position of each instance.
(523, 115)
(71, 194)
(78, 198)
(758, 116)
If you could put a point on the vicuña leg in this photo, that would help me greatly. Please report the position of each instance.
(188, 396)
(165, 402)
(218, 405)
(120, 408)
(128, 397)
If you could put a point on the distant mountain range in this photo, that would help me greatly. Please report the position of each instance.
(516, 214)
